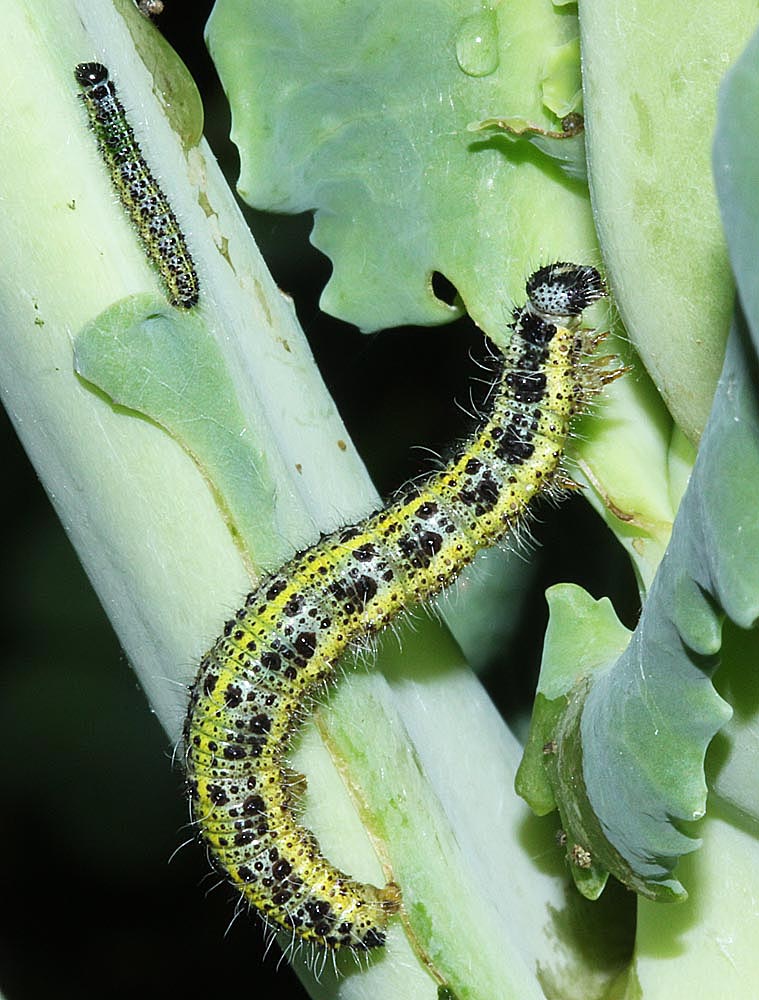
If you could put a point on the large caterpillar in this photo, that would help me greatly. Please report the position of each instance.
(252, 686)
(139, 191)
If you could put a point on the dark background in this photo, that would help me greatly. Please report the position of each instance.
(92, 902)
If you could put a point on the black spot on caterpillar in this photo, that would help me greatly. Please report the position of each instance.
(254, 684)
(139, 191)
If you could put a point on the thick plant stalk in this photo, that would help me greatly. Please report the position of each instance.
(157, 545)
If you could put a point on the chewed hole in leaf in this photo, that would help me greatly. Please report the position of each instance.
(444, 289)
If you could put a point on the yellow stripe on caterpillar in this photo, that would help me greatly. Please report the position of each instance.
(255, 684)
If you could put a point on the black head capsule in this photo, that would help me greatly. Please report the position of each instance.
(564, 289)
(91, 74)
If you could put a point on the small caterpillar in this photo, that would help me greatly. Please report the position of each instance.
(139, 191)
(251, 688)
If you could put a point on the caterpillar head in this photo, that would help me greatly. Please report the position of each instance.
(91, 74)
(564, 289)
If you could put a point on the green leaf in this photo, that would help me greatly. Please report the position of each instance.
(161, 363)
(577, 622)
(562, 82)
(631, 737)
(736, 172)
(651, 72)
(360, 111)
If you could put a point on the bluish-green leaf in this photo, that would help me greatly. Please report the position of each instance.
(631, 738)
(584, 636)
(636, 731)
(361, 112)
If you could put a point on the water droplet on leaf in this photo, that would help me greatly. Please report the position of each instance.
(477, 43)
